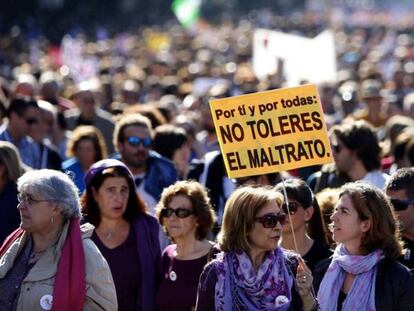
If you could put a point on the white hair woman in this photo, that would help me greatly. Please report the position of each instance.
(49, 263)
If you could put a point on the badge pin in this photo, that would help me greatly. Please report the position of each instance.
(46, 302)
(173, 276)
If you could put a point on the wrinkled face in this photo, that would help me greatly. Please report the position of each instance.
(265, 239)
(347, 228)
(179, 228)
(406, 216)
(35, 212)
(112, 197)
(134, 156)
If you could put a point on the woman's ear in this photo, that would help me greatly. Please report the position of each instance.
(365, 225)
(309, 213)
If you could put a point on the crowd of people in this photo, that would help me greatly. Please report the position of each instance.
(114, 193)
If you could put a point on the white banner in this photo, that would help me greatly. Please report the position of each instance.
(313, 60)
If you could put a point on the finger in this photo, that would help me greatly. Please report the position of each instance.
(302, 266)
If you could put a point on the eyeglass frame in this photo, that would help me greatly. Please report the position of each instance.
(168, 212)
(279, 217)
(28, 200)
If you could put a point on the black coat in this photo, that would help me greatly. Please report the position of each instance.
(394, 286)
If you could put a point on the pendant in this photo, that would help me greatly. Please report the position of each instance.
(173, 276)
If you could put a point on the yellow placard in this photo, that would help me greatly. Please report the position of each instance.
(271, 131)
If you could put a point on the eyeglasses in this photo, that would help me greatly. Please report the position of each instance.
(136, 141)
(401, 205)
(293, 208)
(336, 148)
(179, 212)
(270, 220)
(32, 121)
(28, 200)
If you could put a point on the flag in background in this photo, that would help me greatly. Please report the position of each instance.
(187, 11)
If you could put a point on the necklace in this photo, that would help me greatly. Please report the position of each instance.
(109, 236)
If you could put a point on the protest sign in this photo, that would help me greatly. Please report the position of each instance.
(271, 131)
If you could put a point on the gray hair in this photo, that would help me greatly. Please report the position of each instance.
(55, 186)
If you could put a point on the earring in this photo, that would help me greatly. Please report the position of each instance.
(52, 219)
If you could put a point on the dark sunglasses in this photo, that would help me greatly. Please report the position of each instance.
(336, 148)
(401, 205)
(32, 121)
(293, 208)
(179, 212)
(270, 220)
(136, 141)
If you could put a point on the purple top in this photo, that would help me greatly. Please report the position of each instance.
(178, 288)
(125, 269)
(146, 229)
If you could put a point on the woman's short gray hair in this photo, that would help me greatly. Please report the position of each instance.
(55, 186)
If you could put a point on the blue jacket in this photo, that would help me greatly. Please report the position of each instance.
(73, 166)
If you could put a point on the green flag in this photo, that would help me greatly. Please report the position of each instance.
(187, 11)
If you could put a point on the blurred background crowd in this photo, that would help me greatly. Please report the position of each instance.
(84, 81)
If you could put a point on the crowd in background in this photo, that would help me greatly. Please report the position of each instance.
(129, 113)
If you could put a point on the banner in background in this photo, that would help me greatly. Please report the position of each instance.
(304, 59)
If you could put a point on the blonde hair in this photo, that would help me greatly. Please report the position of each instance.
(239, 213)
(90, 133)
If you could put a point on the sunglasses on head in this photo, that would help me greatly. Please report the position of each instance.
(179, 212)
(293, 208)
(401, 205)
(136, 141)
(270, 220)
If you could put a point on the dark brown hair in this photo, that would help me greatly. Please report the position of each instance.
(90, 209)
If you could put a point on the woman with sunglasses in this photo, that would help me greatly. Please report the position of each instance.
(363, 273)
(187, 217)
(252, 272)
(124, 233)
(304, 223)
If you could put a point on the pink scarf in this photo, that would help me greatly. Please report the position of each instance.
(70, 285)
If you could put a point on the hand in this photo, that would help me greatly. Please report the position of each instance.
(304, 279)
